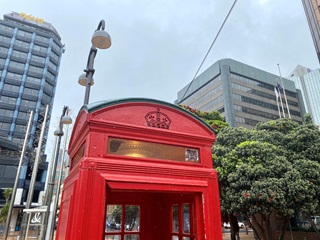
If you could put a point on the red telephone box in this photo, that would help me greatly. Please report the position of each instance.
(141, 169)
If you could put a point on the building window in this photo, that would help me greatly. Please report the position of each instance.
(16, 76)
(10, 88)
(50, 76)
(17, 65)
(53, 66)
(20, 128)
(28, 104)
(2, 61)
(24, 34)
(54, 56)
(6, 28)
(4, 126)
(36, 69)
(42, 39)
(6, 40)
(33, 80)
(22, 44)
(6, 113)
(10, 171)
(38, 59)
(40, 49)
(32, 92)
(19, 54)
(7, 100)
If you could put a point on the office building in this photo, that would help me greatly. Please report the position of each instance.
(312, 10)
(30, 54)
(307, 81)
(243, 94)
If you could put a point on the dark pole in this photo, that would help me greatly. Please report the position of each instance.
(90, 70)
(89, 73)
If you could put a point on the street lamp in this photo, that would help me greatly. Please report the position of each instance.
(64, 119)
(101, 40)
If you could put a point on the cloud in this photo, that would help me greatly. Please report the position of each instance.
(263, 2)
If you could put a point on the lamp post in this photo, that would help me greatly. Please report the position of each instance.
(65, 119)
(56, 199)
(101, 40)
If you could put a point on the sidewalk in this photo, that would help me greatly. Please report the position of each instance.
(243, 236)
(226, 236)
(15, 235)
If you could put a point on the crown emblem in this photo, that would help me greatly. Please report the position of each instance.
(158, 119)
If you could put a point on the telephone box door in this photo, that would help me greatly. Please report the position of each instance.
(157, 216)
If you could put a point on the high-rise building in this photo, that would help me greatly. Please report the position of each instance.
(307, 81)
(30, 54)
(243, 94)
(312, 10)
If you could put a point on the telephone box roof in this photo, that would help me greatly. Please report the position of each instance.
(92, 107)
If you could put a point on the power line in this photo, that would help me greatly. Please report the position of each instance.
(205, 57)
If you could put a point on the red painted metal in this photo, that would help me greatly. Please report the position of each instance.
(98, 178)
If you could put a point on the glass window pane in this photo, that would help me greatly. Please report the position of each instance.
(113, 218)
(186, 218)
(132, 217)
(142, 149)
(113, 237)
(175, 238)
(175, 218)
(186, 238)
(131, 237)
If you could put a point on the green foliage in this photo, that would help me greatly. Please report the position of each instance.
(307, 118)
(214, 119)
(272, 168)
(7, 193)
(4, 211)
(283, 125)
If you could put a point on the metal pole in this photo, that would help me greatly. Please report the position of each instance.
(284, 92)
(56, 199)
(14, 191)
(49, 171)
(52, 178)
(90, 71)
(284, 115)
(33, 177)
(278, 108)
(50, 166)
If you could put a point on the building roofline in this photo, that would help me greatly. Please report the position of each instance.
(14, 16)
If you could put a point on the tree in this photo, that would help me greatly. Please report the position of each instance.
(265, 171)
(4, 211)
(213, 118)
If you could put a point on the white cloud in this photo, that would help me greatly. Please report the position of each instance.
(262, 2)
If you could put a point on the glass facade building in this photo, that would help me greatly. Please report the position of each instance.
(307, 81)
(312, 10)
(244, 95)
(30, 54)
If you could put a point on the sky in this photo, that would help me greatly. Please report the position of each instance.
(157, 46)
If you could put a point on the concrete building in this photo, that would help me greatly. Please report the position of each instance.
(307, 81)
(243, 94)
(312, 10)
(30, 54)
